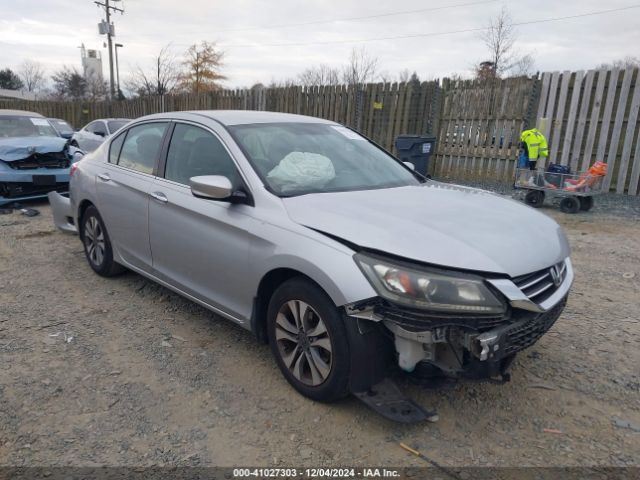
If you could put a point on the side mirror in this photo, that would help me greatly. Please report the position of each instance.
(409, 165)
(100, 133)
(215, 187)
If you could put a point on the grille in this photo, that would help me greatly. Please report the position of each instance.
(526, 333)
(20, 189)
(540, 285)
(41, 160)
(421, 320)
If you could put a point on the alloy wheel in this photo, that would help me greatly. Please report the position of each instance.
(94, 240)
(303, 342)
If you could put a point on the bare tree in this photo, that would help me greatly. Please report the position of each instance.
(622, 63)
(362, 68)
(161, 79)
(524, 66)
(96, 88)
(321, 75)
(404, 75)
(32, 75)
(500, 39)
(69, 83)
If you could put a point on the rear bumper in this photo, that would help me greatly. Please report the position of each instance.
(62, 212)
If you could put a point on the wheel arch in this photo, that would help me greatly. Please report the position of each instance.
(82, 207)
(267, 286)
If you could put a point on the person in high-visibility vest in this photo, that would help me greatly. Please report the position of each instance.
(534, 144)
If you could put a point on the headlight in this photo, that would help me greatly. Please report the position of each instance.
(441, 292)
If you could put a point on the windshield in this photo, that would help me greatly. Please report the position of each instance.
(301, 158)
(115, 125)
(61, 126)
(19, 126)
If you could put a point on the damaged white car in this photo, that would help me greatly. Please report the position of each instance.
(346, 261)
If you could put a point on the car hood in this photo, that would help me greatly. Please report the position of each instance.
(19, 148)
(439, 224)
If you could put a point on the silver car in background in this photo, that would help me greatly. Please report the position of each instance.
(91, 136)
(341, 257)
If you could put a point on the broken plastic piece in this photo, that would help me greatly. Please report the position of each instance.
(387, 399)
(30, 212)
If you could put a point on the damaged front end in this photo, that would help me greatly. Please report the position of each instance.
(476, 346)
(32, 167)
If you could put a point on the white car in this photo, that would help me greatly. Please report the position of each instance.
(91, 136)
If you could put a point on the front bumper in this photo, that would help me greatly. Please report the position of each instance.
(16, 185)
(472, 346)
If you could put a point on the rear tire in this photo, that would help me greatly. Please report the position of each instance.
(97, 245)
(534, 198)
(570, 205)
(309, 341)
(586, 203)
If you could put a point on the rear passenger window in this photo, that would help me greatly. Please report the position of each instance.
(194, 151)
(115, 147)
(141, 147)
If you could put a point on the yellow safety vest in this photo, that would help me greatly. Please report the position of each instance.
(536, 143)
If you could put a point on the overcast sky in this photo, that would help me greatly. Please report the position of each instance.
(50, 32)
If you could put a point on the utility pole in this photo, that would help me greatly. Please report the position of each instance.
(110, 34)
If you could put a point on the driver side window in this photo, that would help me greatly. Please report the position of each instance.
(194, 151)
(95, 127)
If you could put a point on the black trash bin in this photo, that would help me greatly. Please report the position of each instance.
(416, 149)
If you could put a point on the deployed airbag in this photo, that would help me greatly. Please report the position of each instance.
(302, 170)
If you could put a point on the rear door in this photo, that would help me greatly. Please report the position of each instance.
(123, 190)
(199, 245)
(93, 136)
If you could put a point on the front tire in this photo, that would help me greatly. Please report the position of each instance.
(309, 341)
(97, 245)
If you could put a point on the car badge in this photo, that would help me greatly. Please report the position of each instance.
(556, 275)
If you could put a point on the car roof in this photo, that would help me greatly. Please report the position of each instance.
(57, 119)
(19, 113)
(110, 119)
(242, 117)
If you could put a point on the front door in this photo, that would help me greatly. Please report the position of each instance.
(201, 246)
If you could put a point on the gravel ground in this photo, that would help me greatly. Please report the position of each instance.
(123, 372)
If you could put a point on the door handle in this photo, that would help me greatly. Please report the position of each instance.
(104, 177)
(159, 196)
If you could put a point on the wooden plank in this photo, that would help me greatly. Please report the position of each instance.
(606, 117)
(614, 141)
(593, 122)
(635, 171)
(551, 103)
(574, 157)
(555, 139)
(571, 119)
(632, 120)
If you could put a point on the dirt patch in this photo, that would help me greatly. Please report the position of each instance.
(123, 372)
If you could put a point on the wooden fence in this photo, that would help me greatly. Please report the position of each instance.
(593, 115)
(587, 116)
(480, 125)
(380, 111)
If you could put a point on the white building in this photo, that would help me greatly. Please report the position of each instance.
(91, 64)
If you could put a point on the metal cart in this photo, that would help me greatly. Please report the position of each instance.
(575, 191)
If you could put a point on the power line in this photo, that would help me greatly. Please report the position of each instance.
(352, 19)
(431, 34)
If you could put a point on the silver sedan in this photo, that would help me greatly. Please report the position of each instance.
(341, 257)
